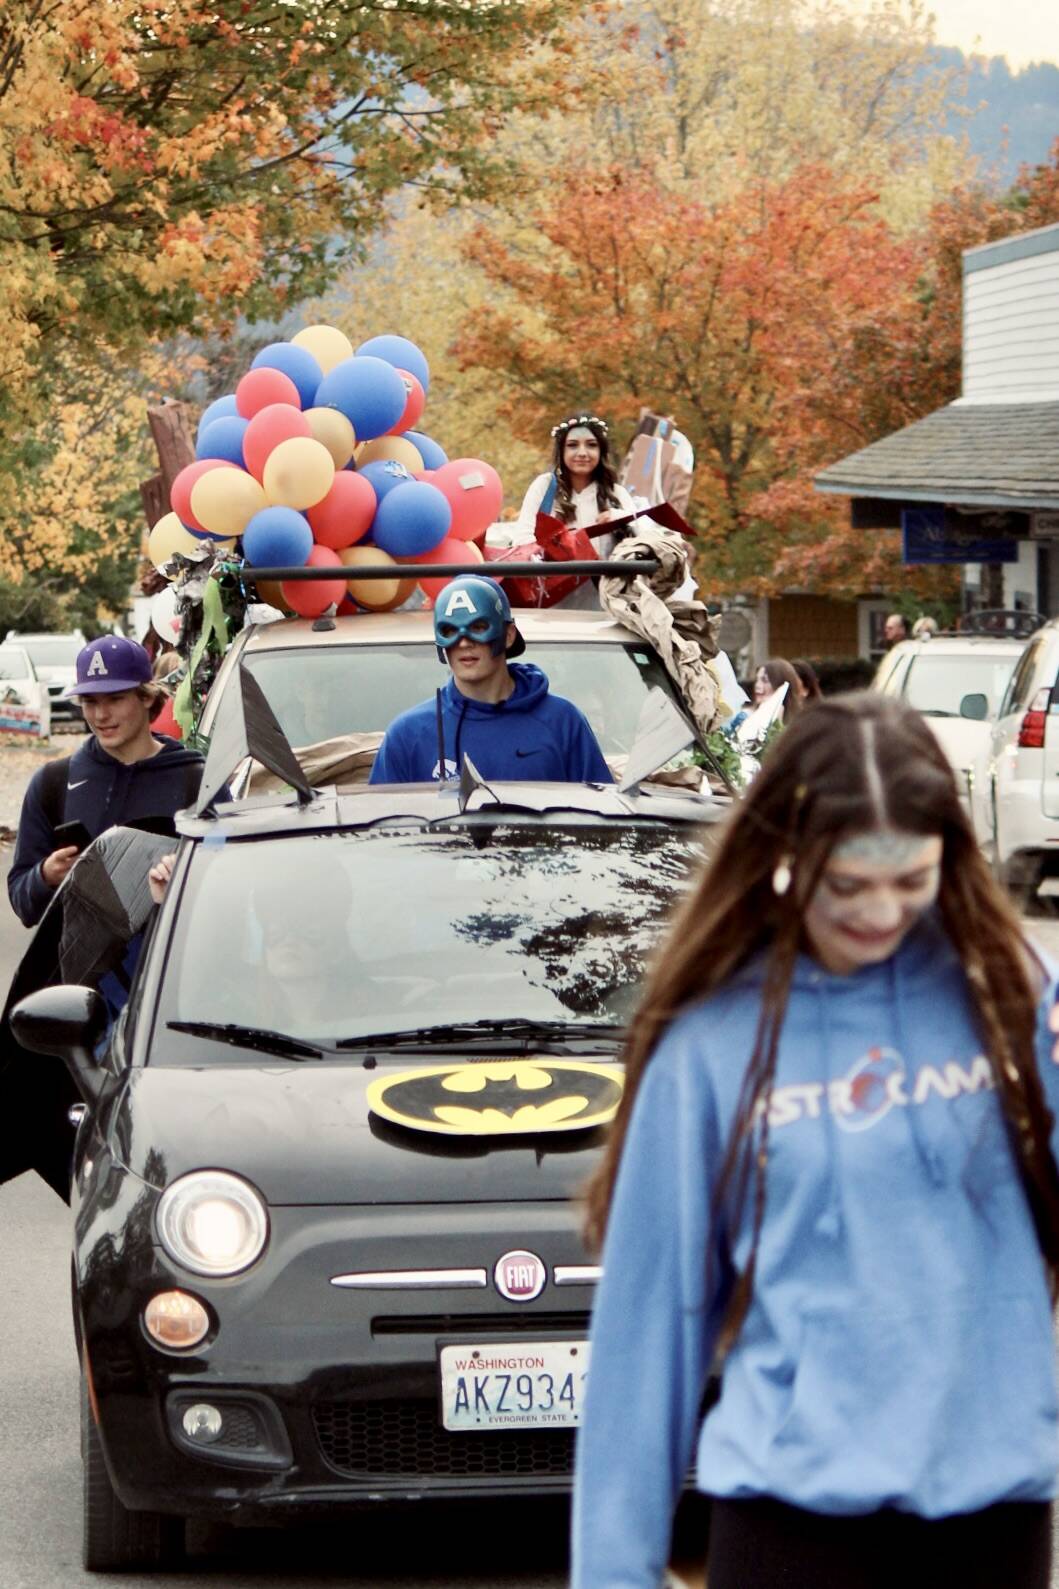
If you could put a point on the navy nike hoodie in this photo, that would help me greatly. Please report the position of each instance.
(532, 734)
(103, 793)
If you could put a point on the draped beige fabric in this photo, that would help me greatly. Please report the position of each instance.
(682, 632)
(343, 760)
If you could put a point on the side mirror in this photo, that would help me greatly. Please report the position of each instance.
(67, 1021)
(975, 707)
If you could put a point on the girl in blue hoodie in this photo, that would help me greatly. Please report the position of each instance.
(830, 1199)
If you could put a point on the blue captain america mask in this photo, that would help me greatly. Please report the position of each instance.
(474, 607)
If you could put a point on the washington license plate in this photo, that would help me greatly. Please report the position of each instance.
(516, 1384)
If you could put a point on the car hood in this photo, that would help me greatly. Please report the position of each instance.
(304, 1134)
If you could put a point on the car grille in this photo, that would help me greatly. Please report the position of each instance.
(405, 1438)
(241, 1430)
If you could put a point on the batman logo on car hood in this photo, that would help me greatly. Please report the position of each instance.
(499, 1097)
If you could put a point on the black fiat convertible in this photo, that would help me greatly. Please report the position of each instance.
(324, 1249)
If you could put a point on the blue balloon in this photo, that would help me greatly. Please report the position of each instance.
(384, 474)
(278, 538)
(413, 519)
(369, 392)
(218, 409)
(402, 354)
(223, 438)
(297, 363)
(433, 456)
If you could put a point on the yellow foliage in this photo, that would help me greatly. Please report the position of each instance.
(63, 511)
(417, 284)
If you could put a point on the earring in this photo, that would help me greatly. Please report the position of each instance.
(781, 877)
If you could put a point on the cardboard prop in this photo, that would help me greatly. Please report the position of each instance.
(655, 466)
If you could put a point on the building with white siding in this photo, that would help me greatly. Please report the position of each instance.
(977, 482)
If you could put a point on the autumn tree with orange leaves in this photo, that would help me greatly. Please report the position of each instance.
(167, 164)
(173, 165)
(783, 328)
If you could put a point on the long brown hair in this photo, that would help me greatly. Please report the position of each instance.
(854, 762)
(603, 476)
(779, 671)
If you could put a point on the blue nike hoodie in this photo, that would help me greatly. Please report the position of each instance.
(101, 792)
(898, 1348)
(532, 734)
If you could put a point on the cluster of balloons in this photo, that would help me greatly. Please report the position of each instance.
(314, 460)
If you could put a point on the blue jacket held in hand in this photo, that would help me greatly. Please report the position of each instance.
(103, 793)
(898, 1347)
(531, 735)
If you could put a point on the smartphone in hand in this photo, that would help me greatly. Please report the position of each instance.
(74, 833)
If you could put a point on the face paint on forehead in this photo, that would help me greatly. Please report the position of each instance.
(882, 847)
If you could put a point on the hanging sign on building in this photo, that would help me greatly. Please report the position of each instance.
(1044, 525)
(937, 534)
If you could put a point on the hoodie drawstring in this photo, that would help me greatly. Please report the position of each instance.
(830, 1223)
(459, 733)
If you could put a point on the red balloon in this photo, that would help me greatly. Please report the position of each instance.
(261, 387)
(310, 597)
(269, 426)
(345, 514)
(451, 550)
(180, 493)
(475, 492)
(413, 408)
(347, 608)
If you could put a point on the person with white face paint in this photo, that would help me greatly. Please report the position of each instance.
(831, 1195)
(581, 489)
(498, 713)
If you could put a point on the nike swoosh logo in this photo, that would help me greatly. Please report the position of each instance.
(77, 785)
(536, 752)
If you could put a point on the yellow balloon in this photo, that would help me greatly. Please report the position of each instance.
(378, 594)
(272, 591)
(335, 431)
(225, 500)
(398, 447)
(168, 536)
(298, 473)
(405, 588)
(327, 344)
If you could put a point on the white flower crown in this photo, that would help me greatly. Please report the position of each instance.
(580, 419)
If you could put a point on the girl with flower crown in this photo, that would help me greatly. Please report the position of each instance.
(580, 489)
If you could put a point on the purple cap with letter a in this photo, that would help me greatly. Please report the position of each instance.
(110, 664)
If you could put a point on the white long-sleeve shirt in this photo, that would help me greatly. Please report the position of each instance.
(586, 508)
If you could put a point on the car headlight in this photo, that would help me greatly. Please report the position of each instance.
(212, 1222)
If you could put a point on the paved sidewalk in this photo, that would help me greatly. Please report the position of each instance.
(18, 763)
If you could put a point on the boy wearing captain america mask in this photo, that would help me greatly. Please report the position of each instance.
(501, 715)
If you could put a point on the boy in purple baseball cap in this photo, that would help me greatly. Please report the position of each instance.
(123, 773)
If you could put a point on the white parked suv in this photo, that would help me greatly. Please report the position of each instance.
(1024, 769)
(958, 682)
(53, 657)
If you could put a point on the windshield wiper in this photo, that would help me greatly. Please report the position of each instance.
(254, 1037)
(494, 1030)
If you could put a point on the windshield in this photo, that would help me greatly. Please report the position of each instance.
(937, 684)
(13, 664)
(54, 652)
(315, 695)
(346, 935)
